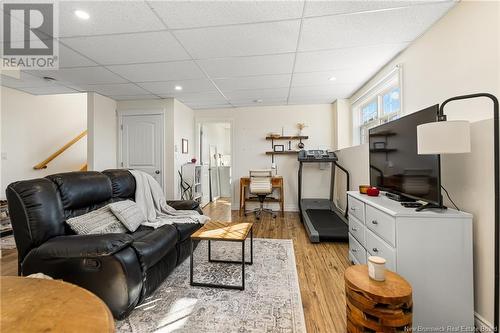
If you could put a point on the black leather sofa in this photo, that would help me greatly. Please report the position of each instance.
(122, 269)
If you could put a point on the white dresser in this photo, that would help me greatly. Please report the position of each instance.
(431, 249)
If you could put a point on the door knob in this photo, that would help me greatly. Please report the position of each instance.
(157, 172)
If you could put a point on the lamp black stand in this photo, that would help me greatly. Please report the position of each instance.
(442, 117)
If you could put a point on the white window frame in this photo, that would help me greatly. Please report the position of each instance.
(375, 92)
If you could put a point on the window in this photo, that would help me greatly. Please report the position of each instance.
(381, 104)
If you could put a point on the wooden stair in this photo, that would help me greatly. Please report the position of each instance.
(44, 163)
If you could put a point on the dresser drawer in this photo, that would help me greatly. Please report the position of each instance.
(357, 229)
(356, 208)
(377, 247)
(382, 224)
(357, 250)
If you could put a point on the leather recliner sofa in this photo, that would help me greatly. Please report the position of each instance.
(122, 269)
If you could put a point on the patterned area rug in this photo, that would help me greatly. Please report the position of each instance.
(7, 242)
(270, 302)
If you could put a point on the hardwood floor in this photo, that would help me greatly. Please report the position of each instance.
(320, 266)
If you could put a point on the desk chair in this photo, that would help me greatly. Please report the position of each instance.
(261, 186)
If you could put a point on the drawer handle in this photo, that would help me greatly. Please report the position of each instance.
(354, 250)
(353, 208)
(354, 229)
(375, 249)
(374, 222)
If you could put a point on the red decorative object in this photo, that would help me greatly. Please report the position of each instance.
(373, 192)
(193, 160)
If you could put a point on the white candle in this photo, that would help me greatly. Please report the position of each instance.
(376, 268)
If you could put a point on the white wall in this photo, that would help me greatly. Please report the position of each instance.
(34, 127)
(183, 129)
(250, 126)
(460, 55)
(102, 132)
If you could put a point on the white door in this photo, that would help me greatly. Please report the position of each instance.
(142, 144)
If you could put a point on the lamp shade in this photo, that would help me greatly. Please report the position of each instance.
(444, 137)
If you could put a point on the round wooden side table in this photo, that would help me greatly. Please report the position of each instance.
(40, 305)
(377, 306)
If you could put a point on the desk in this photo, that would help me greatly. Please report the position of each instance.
(277, 182)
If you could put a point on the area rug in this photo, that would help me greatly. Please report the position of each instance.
(270, 302)
(7, 242)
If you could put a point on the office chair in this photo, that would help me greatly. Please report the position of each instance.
(261, 186)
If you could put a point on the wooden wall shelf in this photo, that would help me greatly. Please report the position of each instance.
(286, 137)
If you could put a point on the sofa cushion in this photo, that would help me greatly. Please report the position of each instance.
(99, 221)
(154, 245)
(129, 214)
(122, 182)
(184, 230)
(82, 189)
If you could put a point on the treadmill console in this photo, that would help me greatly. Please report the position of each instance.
(317, 155)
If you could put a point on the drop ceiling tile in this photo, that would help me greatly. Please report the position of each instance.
(132, 97)
(254, 82)
(188, 14)
(188, 86)
(206, 106)
(69, 58)
(394, 26)
(342, 77)
(255, 94)
(82, 75)
(322, 91)
(248, 66)
(48, 90)
(251, 103)
(157, 46)
(199, 98)
(321, 8)
(311, 100)
(26, 80)
(360, 57)
(106, 17)
(117, 89)
(161, 71)
(241, 40)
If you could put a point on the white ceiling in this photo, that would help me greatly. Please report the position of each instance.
(229, 53)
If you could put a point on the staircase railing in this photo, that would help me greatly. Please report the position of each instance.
(43, 164)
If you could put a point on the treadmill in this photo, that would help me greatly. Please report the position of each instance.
(323, 221)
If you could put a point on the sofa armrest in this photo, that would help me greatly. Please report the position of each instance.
(185, 205)
(83, 246)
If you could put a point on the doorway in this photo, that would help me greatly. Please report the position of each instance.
(215, 154)
(141, 143)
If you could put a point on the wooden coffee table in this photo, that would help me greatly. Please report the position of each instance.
(228, 232)
(40, 305)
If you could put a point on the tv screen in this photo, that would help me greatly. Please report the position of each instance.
(395, 165)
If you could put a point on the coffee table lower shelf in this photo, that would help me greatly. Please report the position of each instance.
(242, 263)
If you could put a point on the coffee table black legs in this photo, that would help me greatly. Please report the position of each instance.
(242, 263)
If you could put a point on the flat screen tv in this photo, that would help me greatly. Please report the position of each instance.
(395, 165)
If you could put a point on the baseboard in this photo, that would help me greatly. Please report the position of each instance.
(482, 325)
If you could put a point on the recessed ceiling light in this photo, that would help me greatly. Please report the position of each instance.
(82, 15)
(333, 78)
(178, 88)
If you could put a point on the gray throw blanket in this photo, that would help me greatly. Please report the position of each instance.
(151, 200)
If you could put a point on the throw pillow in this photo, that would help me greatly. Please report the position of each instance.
(129, 213)
(99, 221)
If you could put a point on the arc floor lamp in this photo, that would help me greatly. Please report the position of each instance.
(449, 137)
